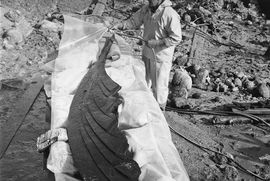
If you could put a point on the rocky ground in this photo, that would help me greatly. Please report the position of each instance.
(223, 63)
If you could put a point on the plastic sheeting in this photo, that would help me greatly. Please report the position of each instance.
(139, 116)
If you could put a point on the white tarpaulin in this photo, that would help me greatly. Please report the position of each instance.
(139, 116)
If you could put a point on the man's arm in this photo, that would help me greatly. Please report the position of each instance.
(173, 28)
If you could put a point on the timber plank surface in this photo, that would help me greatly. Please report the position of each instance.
(99, 149)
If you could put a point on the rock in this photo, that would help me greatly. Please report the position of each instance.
(20, 22)
(258, 81)
(217, 99)
(222, 87)
(248, 22)
(220, 3)
(230, 23)
(5, 23)
(229, 83)
(196, 95)
(24, 27)
(230, 172)
(202, 77)
(217, 7)
(181, 103)
(237, 17)
(193, 69)
(12, 37)
(181, 61)
(237, 82)
(13, 16)
(182, 83)
(235, 89)
(249, 85)
(263, 90)
(265, 158)
(50, 26)
(187, 18)
(196, 15)
(205, 11)
(222, 71)
(240, 75)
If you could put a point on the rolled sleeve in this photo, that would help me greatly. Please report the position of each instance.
(173, 28)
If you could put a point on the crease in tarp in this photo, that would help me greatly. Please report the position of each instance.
(140, 117)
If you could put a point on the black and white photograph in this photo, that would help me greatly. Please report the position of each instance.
(135, 90)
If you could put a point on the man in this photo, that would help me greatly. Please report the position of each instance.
(162, 32)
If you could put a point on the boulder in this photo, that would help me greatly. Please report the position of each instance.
(50, 26)
(202, 77)
(19, 21)
(264, 90)
(249, 85)
(12, 37)
(237, 82)
(5, 23)
(181, 82)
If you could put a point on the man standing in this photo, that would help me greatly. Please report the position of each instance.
(162, 32)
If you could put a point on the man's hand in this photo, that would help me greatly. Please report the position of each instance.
(154, 43)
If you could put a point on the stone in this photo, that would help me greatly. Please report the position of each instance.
(182, 83)
(240, 75)
(237, 17)
(220, 3)
(5, 23)
(223, 87)
(235, 89)
(248, 22)
(263, 90)
(12, 37)
(202, 77)
(181, 103)
(229, 83)
(237, 82)
(205, 11)
(13, 16)
(187, 18)
(196, 95)
(193, 69)
(181, 61)
(50, 26)
(249, 85)
(20, 22)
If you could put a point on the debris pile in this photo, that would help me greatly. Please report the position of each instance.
(236, 31)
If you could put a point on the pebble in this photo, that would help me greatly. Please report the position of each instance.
(250, 85)
(182, 83)
(237, 82)
(240, 75)
(264, 90)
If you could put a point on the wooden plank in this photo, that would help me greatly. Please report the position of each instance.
(18, 114)
(100, 7)
(196, 47)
